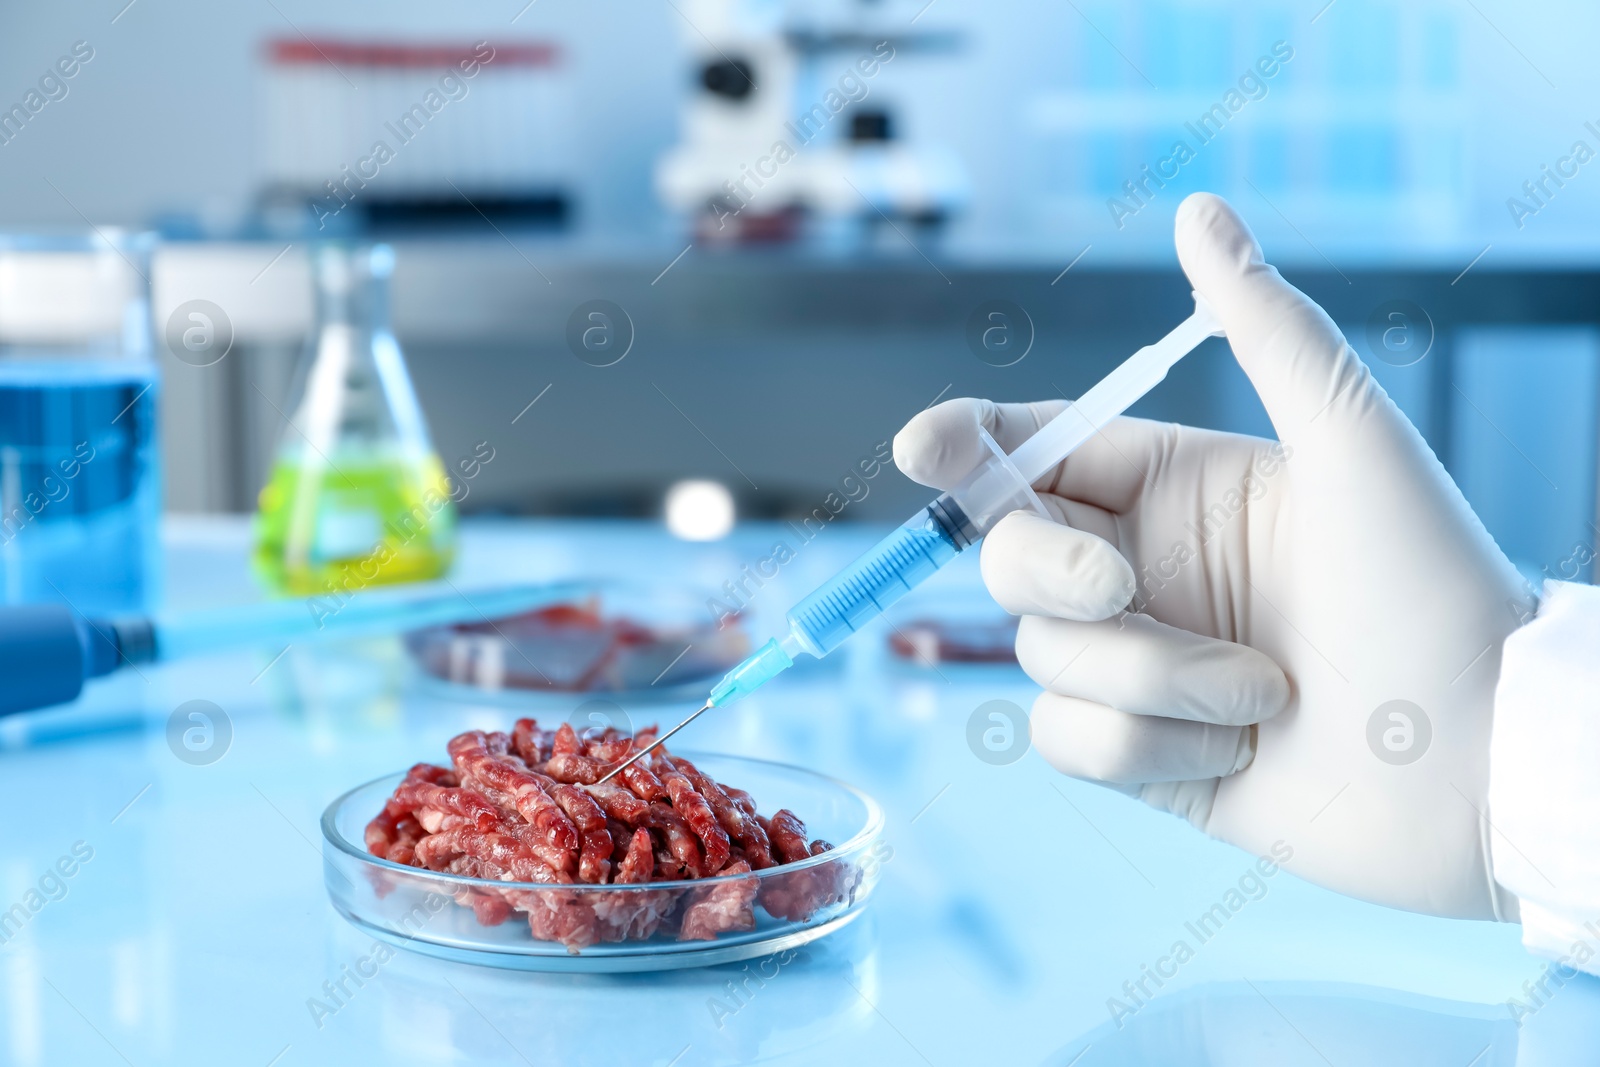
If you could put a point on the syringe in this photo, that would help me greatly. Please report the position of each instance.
(955, 521)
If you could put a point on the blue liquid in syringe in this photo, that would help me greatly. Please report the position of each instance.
(852, 598)
(862, 591)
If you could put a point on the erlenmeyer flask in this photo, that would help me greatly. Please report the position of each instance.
(357, 496)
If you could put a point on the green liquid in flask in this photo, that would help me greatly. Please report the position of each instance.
(371, 521)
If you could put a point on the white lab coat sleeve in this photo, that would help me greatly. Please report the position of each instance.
(1544, 776)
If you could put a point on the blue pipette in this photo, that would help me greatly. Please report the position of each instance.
(47, 651)
(955, 521)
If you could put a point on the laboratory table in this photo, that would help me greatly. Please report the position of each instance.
(1021, 917)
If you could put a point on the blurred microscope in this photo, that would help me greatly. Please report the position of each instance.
(795, 130)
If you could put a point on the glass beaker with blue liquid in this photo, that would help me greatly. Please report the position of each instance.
(80, 487)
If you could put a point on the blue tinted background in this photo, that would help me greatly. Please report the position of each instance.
(1376, 163)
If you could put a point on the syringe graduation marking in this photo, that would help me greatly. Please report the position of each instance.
(880, 579)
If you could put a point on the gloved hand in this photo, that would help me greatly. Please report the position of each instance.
(1282, 595)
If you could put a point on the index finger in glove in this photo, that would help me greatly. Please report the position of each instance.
(940, 446)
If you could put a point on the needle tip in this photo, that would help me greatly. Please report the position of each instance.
(653, 745)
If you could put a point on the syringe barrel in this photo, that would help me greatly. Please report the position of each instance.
(993, 490)
(912, 553)
(885, 573)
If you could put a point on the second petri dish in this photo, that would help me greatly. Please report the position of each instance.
(641, 640)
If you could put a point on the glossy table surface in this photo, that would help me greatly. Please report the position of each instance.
(1015, 912)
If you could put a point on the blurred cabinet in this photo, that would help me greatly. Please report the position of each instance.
(782, 371)
(1525, 417)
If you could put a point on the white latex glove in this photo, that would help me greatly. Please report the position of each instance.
(1284, 593)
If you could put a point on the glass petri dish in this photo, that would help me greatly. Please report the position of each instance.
(626, 640)
(431, 913)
